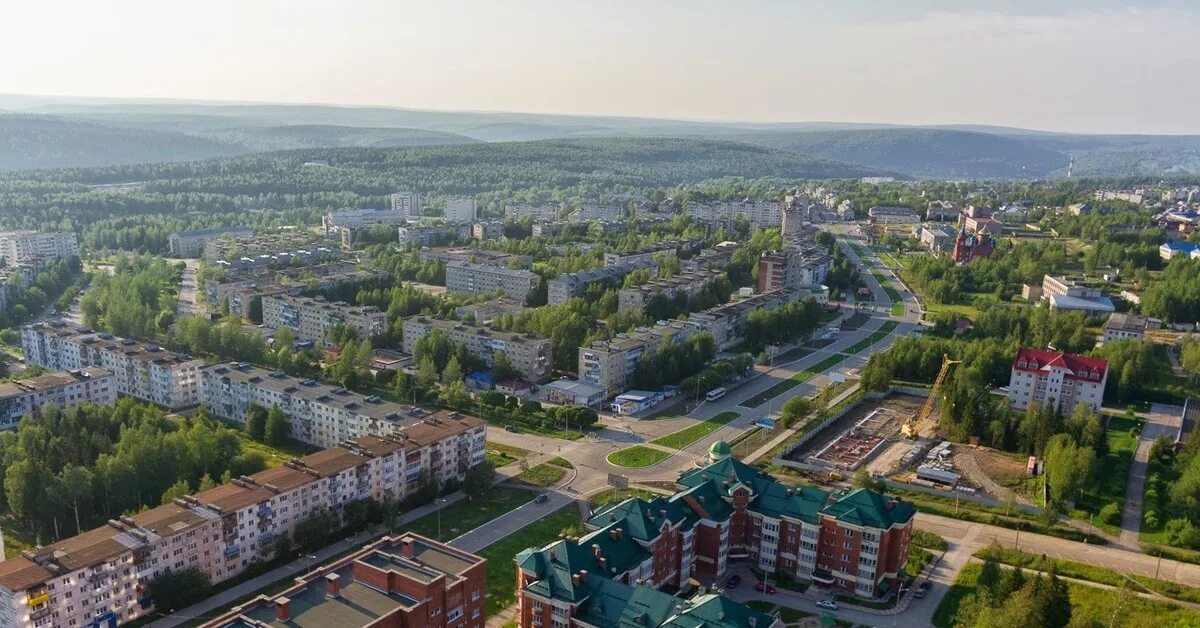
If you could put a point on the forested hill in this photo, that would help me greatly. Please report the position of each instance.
(28, 142)
(935, 153)
(607, 163)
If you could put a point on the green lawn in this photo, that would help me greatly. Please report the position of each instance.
(876, 336)
(793, 381)
(275, 454)
(500, 454)
(1112, 476)
(462, 516)
(637, 456)
(542, 475)
(561, 462)
(696, 431)
(1090, 606)
(502, 571)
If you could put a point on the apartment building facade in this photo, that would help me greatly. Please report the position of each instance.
(403, 580)
(1061, 379)
(336, 223)
(312, 318)
(19, 398)
(21, 246)
(610, 364)
(233, 247)
(727, 322)
(760, 214)
(142, 371)
(597, 211)
(529, 354)
(461, 210)
(539, 212)
(471, 278)
(891, 215)
(685, 283)
(191, 243)
(563, 287)
(321, 414)
(101, 577)
(406, 204)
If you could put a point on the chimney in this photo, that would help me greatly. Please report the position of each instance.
(596, 550)
(603, 563)
(575, 580)
(663, 512)
(891, 503)
(283, 608)
(583, 575)
(615, 534)
(332, 585)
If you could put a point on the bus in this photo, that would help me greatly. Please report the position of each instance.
(715, 393)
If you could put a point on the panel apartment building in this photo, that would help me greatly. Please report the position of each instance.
(470, 278)
(461, 210)
(792, 268)
(100, 577)
(685, 283)
(727, 322)
(142, 371)
(321, 414)
(760, 214)
(529, 354)
(312, 318)
(855, 542)
(563, 287)
(19, 398)
(1065, 380)
(191, 243)
(609, 364)
(407, 204)
(539, 212)
(21, 246)
(396, 581)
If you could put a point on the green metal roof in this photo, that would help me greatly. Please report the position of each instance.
(867, 508)
(720, 448)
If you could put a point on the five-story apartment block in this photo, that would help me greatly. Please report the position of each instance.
(312, 318)
(529, 354)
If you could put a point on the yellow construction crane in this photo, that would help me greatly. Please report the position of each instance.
(909, 429)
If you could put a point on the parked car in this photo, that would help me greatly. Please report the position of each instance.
(828, 605)
(510, 428)
(764, 587)
(541, 498)
(733, 582)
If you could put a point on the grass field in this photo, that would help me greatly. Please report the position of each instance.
(696, 431)
(464, 515)
(500, 454)
(542, 475)
(637, 456)
(793, 381)
(276, 454)
(614, 495)
(502, 571)
(876, 336)
(1090, 606)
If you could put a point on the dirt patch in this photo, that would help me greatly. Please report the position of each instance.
(999, 475)
(849, 442)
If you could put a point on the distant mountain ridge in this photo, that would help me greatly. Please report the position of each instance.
(48, 132)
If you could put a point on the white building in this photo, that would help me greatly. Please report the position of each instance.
(539, 212)
(321, 414)
(529, 354)
(313, 318)
(19, 398)
(1124, 327)
(1062, 379)
(610, 364)
(337, 223)
(99, 578)
(760, 214)
(470, 278)
(20, 246)
(407, 204)
(192, 243)
(461, 210)
(142, 371)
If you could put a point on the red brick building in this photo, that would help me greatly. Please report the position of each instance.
(969, 246)
(728, 511)
(404, 581)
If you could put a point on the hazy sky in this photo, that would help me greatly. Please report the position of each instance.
(1061, 65)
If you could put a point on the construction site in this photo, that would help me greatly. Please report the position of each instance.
(868, 431)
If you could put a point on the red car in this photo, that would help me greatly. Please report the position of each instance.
(762, 586)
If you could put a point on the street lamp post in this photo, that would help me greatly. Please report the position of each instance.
(440, 501)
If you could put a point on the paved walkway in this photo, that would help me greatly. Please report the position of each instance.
(1162, 419)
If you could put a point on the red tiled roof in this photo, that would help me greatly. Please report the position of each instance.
(1035, 360)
